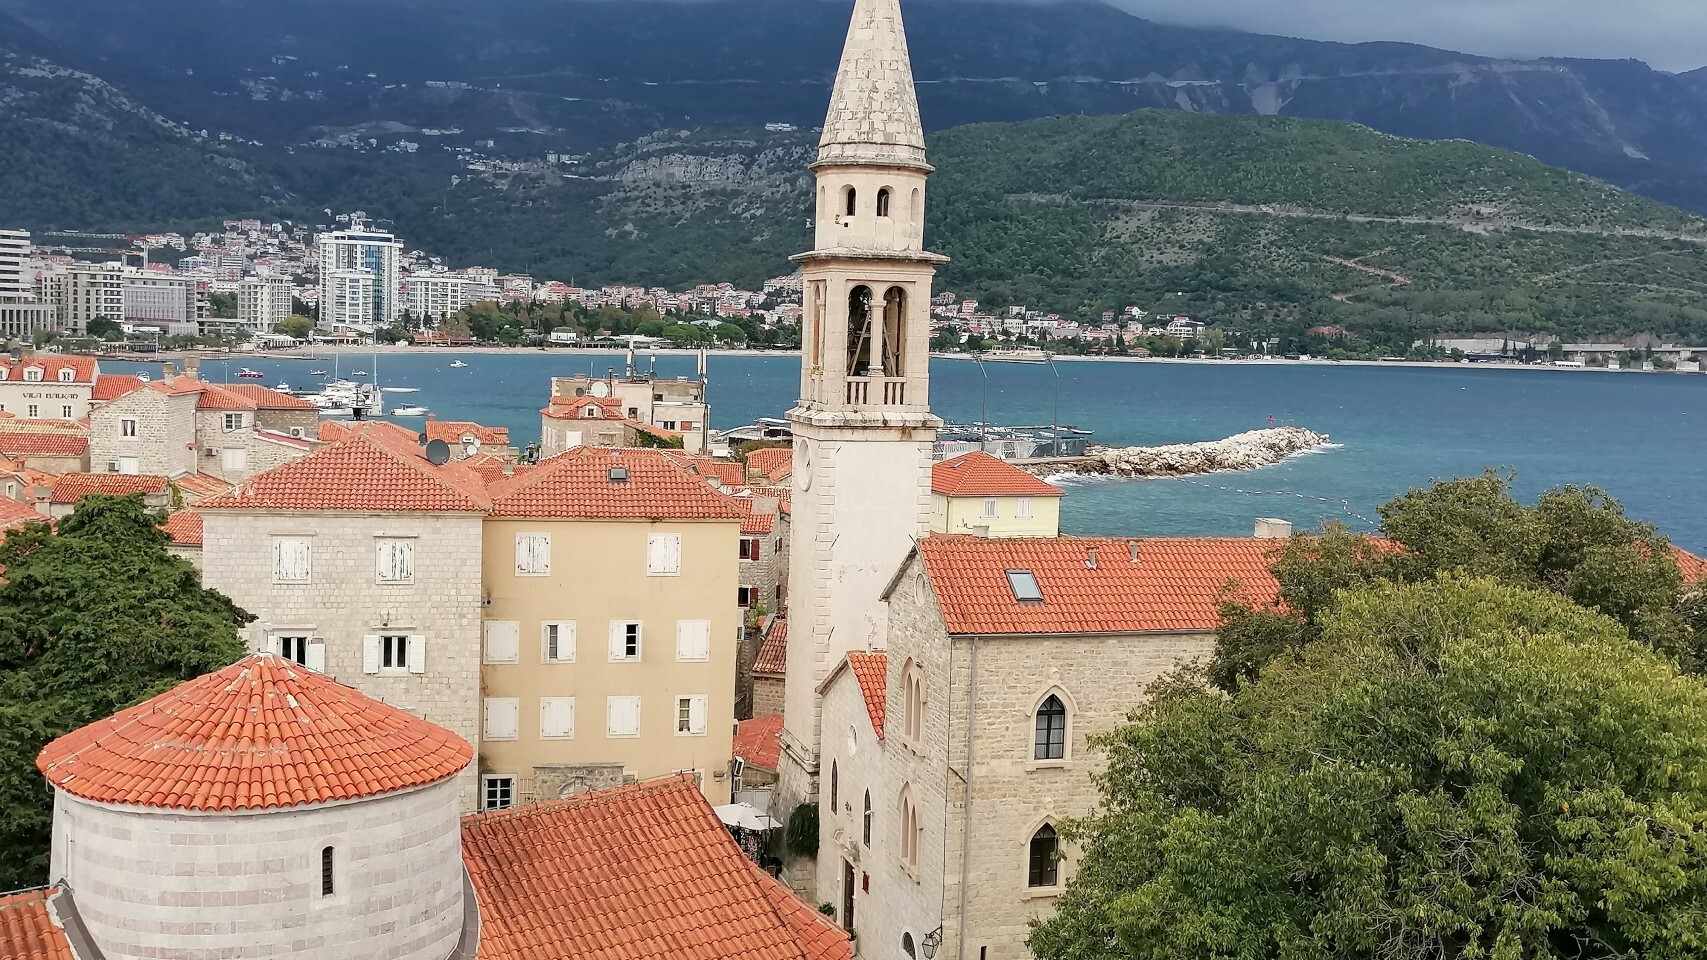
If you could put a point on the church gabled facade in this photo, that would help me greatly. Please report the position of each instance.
(863, 430)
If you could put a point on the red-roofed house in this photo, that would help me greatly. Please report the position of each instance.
(612, 625)
(362, 559)
(185, 529)
(67, 490)
(758, 746)
(770, 666)
(775, 464)
(1066, 632)
(467, 438)
(45, 386)
(981, 495)
(52, 446)
(178, 425)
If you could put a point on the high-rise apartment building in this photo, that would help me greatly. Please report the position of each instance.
(347, 299)
(263, 301)
(439, 295)
(80, 292)
(161, 299)
(15, 278)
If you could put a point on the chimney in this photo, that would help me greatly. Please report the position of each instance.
(1091, 557)
(193, 367)
(1271, 529)
(1132, 548)
(168, 373)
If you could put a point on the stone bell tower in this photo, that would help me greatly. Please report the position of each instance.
(863, 428)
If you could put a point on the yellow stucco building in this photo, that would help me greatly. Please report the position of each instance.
(980, 495)
(611, 626)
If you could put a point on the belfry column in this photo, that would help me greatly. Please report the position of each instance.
(863, 430)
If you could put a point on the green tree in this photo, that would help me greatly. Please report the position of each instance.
(95, 615)
(1457, 768)
(106, 328)
(223, 305)
(297, 326)
(1575, 541)
(731, 333)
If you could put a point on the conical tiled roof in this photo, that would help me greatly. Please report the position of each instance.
(263, 733)
(874, 111)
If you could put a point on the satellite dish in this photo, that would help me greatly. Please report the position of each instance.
(471, 449)
(600, 389)
(438, 452)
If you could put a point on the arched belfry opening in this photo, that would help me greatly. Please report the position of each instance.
(883, 202)
(850, 199)
(894, 332)
(859, 331)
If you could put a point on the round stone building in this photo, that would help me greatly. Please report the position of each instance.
(262, 811)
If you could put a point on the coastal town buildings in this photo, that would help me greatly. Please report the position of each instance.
(81, 292)
(978, 494)
(173, 303)
(263, 300)
(360, 279)
(47, 386)
(675, 406)
(16, 278)
(180, 425)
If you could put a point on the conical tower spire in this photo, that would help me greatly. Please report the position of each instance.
(874, 111)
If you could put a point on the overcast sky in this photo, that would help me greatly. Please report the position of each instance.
(1669, 34)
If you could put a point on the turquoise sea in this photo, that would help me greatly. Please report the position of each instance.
(1643, 437)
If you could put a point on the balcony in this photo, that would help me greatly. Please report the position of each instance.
(876, 391)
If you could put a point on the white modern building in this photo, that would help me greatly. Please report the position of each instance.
(80, 292)
(164, 300)
(263, 301)
(16, 281)
(440, 294)
(345, 256)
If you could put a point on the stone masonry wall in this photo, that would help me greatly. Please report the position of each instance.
(342, 603)
(165, 433)
(767, 695)
(852, 750)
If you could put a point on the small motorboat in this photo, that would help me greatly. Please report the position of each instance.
(358, 373)
(457, 364)
(282, 387)
(249, 374)
(409, 410)
(317, 373)
(400, 389)
(143, 377)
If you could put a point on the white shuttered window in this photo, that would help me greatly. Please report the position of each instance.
(693, 639)
(533, 554)
(503, 641)
(292, 559)
(624, 640)
(690, 715)
(394, 560)
(664, 554)
(557, 641)
(501, 718)
(556, 718)
(622, 717)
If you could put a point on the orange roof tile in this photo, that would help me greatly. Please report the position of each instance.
(365, 473)
(42, 443)
(453, 431)
(754, 522)
(872, 672)
(729, 473)
(202, 485)
(773, 653)
(820, 938)
(577, 485)
(384, 430)
(758, 741)
(28, 931)
(184, 527)
(1174, 585)
(584, 408)
(83, 369)
(977, 474)
(266, 398)
(111, 386)
(1693, 568)
(642, 872)
(776, 463)
(262, 733)
(71, 487)
(219, 397)
(13, 512)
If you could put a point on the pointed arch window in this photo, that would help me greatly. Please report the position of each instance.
(865, 834)
(1044, 862)
(859, 332)
(1051, 740)
(912, 829)
(883, 202)
(916, 209)
(835, 785)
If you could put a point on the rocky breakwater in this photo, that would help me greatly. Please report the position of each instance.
(1246, 451)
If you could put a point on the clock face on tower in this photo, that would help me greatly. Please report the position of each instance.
(804, 474)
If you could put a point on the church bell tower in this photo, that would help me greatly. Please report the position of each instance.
(863, 430)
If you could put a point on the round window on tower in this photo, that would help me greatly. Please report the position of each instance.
(804, 474)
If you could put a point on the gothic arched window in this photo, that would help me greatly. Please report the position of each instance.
(866, 836)
(1051, 741)
(1044, 867)
(835, 785)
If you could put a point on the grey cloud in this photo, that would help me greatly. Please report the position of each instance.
(1668, 34)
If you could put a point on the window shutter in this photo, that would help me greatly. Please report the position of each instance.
(417, 653)
(370, 653)
(533, 553)
(622, 716)
(556, 717)
(696, 714)
(664, 553)
(524, 551)
(501, 716)
(693, 639)
(565, 641)
(503, 641)
(316, 655)
(618, 640)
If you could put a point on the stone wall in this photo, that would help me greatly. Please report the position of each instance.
(342, 603)
(852, 750)
(147, 881)
(554, 780)
(165, 439)
(768, 694)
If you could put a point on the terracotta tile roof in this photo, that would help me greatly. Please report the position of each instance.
(753, 522)
(775, 463)
(1693, 568)
(42, 443)
(266, 398)
(819, 936)
(184, 527)
(111, 386)
(201, 485)
(773, 653)
(365, 473)
(872, 672)
(28, 930)
(759, 741)
(642, 872)
(83, 368)
(577, 485)
(576, 408)
(69, 488)
(13, 512)
(260, 734)
(179, 386)
(220, 397)
(383, 430)
(729, 473)
(452, 431)
(978, 474)
(1175, 585)
(492, 469)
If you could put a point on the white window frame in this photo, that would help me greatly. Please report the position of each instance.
(693, 641)
(750, 592)
(639, 641)
(490, 781)
(565, 641)
(501, 641)
(33, 413)
(399, 566)
(394, 647)
(510, 704)
(65, 411)
(988, 512)
(32, 374)
(565, 731)
(127, 427)
(232, 422)
(664, 555)
(1022, 508)
(281, 642)
(283, 575)
(533, 554)
(611, 705)
(67, 375)
(689, 717)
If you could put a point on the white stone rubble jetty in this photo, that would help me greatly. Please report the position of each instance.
(1246, 451)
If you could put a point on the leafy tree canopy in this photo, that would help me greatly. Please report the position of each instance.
(95, 615)
(1575, 541)
(1454, 768)
(297, 326)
